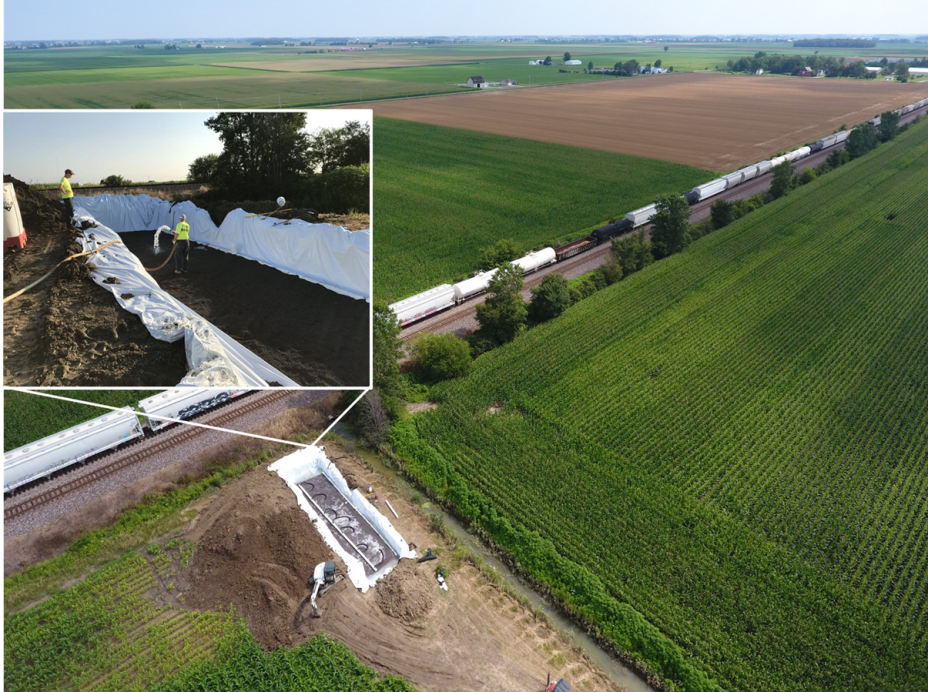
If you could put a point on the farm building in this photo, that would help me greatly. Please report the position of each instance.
(874, 69)
(805, 72)
(573, 62)
(475, 81)
(508, 82)
(918, 71)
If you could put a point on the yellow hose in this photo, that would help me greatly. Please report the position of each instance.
(45, 276)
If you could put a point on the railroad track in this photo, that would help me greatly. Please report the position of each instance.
(150, 444)
(699, 212)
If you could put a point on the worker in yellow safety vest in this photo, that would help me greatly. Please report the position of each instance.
(182, 245)
(67, 195)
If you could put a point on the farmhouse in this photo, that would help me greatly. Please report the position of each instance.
(475, 81)
(507, 82)
(805, 72)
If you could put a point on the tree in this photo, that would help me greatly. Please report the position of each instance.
(630, 67)
(666, 48)
(501, 251)
(889, 124)
(566, 56)
(442, 357)
(633, 251)
(142, 104)
(590, 65)
(372, 419)
(670, 225)
(115, 181)
(502, 315)
(782, 179)
(547, 61)
(862, 139)
(388, 349)
(901, 70)
(332, 148)
(549, 299)
(203, 169)
(806, 177)
(264, 153)
(723, 213)
(658, 62)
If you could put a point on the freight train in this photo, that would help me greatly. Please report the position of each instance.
(77, 445)
(434, 300)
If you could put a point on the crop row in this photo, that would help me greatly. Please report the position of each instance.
(735, 441)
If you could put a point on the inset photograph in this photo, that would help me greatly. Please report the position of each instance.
(213, 249)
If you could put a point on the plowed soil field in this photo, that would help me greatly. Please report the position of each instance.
(715, 121)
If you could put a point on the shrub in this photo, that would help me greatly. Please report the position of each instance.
(442, 357)
(549, 299)
(502, 251)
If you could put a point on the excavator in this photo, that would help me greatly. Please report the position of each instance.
(324, 577)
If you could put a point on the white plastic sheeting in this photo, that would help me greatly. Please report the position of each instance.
(214, 358)
(312, 461)
(322, 253)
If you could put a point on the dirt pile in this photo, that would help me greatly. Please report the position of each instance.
(256, 550)
(406, 593)
(40, 214)
(219, 208)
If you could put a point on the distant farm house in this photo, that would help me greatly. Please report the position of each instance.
(805, 72)
(508, 82)
(573, 62)
(536, 62)
(475, 81)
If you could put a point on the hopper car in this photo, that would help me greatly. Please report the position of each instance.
(423, 305)
(80, 443)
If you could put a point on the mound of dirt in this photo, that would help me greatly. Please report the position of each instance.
(406, 593)
(218, 209)
(256, 550)
(40, 214)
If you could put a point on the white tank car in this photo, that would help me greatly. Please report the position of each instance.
(472, 286)
(184, 402)
(42, 458)
(536, 260)
(798, 153)
(641, 216)
(423, 304)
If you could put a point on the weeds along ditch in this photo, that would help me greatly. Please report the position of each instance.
(719, 462)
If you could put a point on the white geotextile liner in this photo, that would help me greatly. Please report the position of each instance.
(322, 253)
(214, 358)
(306, 463)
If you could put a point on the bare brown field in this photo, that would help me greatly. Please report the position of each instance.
(714, 121)
(328, 64)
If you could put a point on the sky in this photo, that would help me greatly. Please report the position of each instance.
(106, 19)
(139, 145)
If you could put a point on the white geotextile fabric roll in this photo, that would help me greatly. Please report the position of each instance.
(322, 253)
(214, 358)
(312, 461)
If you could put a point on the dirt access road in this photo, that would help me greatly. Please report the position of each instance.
(715, 121)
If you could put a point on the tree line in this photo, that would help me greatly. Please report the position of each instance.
(270, 154)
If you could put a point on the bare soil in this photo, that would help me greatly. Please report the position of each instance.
(66, 331)
(257, 550)
(313, 335)
(718, 122)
